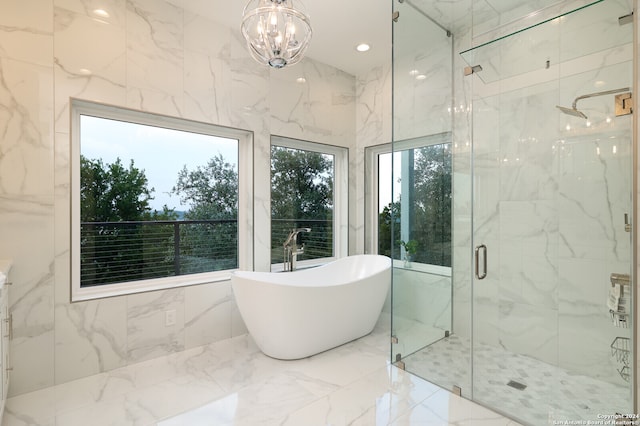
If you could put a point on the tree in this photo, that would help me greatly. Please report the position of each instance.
(111, 192)
(301, 184)
(389, 230)
(112, 251)
(210, 190)
(301, 191)
(432, 205)
(212, 193)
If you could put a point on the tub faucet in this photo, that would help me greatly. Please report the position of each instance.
(291, 249)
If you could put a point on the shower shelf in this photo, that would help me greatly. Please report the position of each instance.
(625, 373)
(621, 346)
(622, 279)
(541, 45)
(620, 350)
(620, 319)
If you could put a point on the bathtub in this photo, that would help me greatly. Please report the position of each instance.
(293, 315)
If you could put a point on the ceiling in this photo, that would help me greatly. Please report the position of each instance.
(340, 25)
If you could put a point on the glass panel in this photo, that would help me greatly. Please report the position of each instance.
(143, 216)
(302, 185)
(415, 218)
(550, 191)
(421, 203)
(537, 48)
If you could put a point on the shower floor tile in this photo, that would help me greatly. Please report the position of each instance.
(551, 393)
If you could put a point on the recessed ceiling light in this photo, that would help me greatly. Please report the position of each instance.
(363, 47)
(101, 13)
(414, 72)
(301, 80)
(421, 77)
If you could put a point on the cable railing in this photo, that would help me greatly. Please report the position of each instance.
(317, 244)
(113, 252)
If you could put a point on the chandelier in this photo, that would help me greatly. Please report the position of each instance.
(277, 34)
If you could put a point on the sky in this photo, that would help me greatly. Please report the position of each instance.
(385, 181)
(160, 152)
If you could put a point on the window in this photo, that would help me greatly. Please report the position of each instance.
(155, 201)
(308, 190)
(416, 214)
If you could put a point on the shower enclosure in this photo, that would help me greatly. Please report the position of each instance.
(534, 316)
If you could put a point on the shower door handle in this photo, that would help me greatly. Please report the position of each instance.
(484, 262)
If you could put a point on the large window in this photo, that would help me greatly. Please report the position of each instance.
(155, 201)
(308, 190)
(411, 200)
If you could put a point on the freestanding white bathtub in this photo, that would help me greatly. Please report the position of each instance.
(293, 315)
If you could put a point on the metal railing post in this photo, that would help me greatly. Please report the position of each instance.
(176, 248)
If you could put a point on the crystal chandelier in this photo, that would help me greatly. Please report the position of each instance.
(277, 34)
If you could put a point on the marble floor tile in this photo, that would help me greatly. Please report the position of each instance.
(444, 408)
(232, 383)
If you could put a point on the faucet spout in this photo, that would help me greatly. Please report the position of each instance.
(294, 234)
(291, 249)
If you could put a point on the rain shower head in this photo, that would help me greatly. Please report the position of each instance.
(572, 111)
(574, 107)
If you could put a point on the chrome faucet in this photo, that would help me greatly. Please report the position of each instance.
(291, 249)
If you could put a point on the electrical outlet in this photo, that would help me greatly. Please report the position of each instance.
(170, 318)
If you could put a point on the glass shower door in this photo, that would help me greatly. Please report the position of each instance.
(551, 188)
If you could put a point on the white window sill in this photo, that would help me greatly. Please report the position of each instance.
(424, 268)
(133, 287)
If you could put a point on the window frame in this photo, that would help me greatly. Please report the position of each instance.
(372, 176)
(340, 196)
(80, 107)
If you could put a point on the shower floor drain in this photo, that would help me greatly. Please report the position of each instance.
(516, 385)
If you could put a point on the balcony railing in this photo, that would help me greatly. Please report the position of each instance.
(113, 252)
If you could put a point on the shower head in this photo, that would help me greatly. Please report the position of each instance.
(572, 111)
(574, 107)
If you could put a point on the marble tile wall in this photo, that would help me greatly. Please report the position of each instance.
(158, 57)
(373, 127)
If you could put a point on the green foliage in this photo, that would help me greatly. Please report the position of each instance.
(430, 208)
(212, 193)
(431, 224)
(210, 190)
(411, 246)
(301, 184)
(388, 227)
(302, 190)
(111, 192)
(110, 250)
